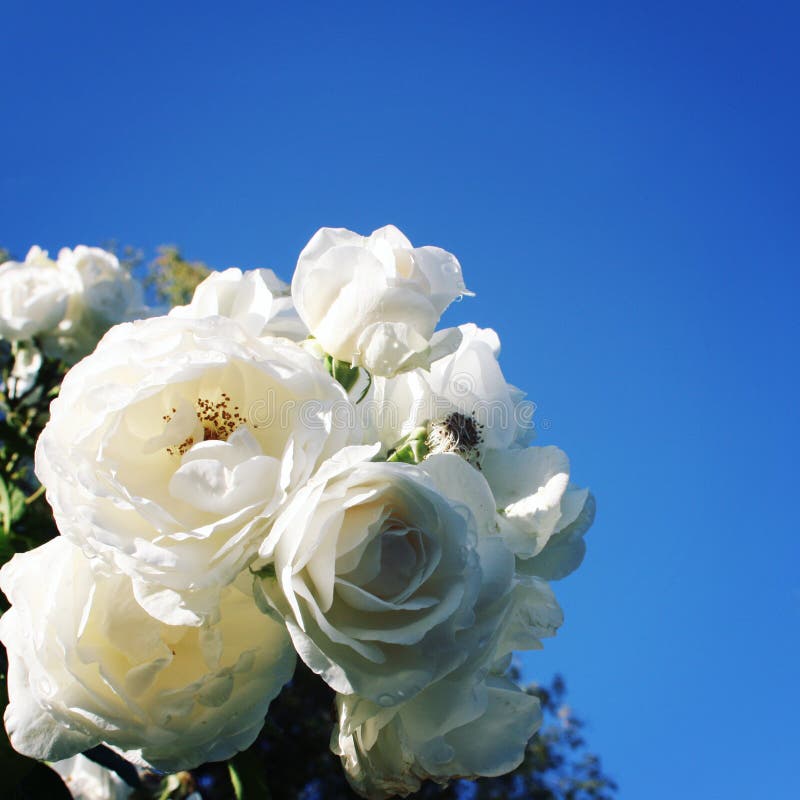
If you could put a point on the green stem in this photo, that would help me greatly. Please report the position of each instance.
(35, 496)
(5, 507)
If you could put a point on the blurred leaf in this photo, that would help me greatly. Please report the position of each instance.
(32, 397)
(248, 776)
(5, 507)
(17, 502)
(171, 786)
(12, 504)
(173, 277)
(129, 257)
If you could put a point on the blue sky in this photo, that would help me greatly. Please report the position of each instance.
(620, 183)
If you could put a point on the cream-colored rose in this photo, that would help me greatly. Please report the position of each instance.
(474, 721)
(102, 293)
(374, 301)
(463, 726)
(87, 665)
(171, 446)
(33, 296)
(256, 298)
(542, 516)
(378, 573)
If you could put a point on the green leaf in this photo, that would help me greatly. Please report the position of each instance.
(170, 785)
(247, 776)
(12, 504)
(16, 503)
(5, 507)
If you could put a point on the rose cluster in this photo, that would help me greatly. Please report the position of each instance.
(62, 308)
(276, 471)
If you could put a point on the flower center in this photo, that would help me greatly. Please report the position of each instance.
(457, 433)
(219, 420)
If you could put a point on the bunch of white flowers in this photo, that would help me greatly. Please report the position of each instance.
(62, 307)
(272, 472)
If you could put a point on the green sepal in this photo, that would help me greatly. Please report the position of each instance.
(342, 372)
(267, 571)
(412, 449)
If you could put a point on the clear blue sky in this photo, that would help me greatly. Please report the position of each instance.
(620, 182)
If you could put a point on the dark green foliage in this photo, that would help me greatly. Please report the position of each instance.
(25, 518)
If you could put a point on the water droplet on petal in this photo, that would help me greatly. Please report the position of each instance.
(386, 700)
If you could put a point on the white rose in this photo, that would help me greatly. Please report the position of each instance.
(378, 574)
(565, 549)
(542, 516)
(88, 665)
(102, 294)
(468, 382)
(171, 446)
(89, 781)
(33, 296)
(463, 726)
(257, 299)
(374, 301)
(473, 721)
